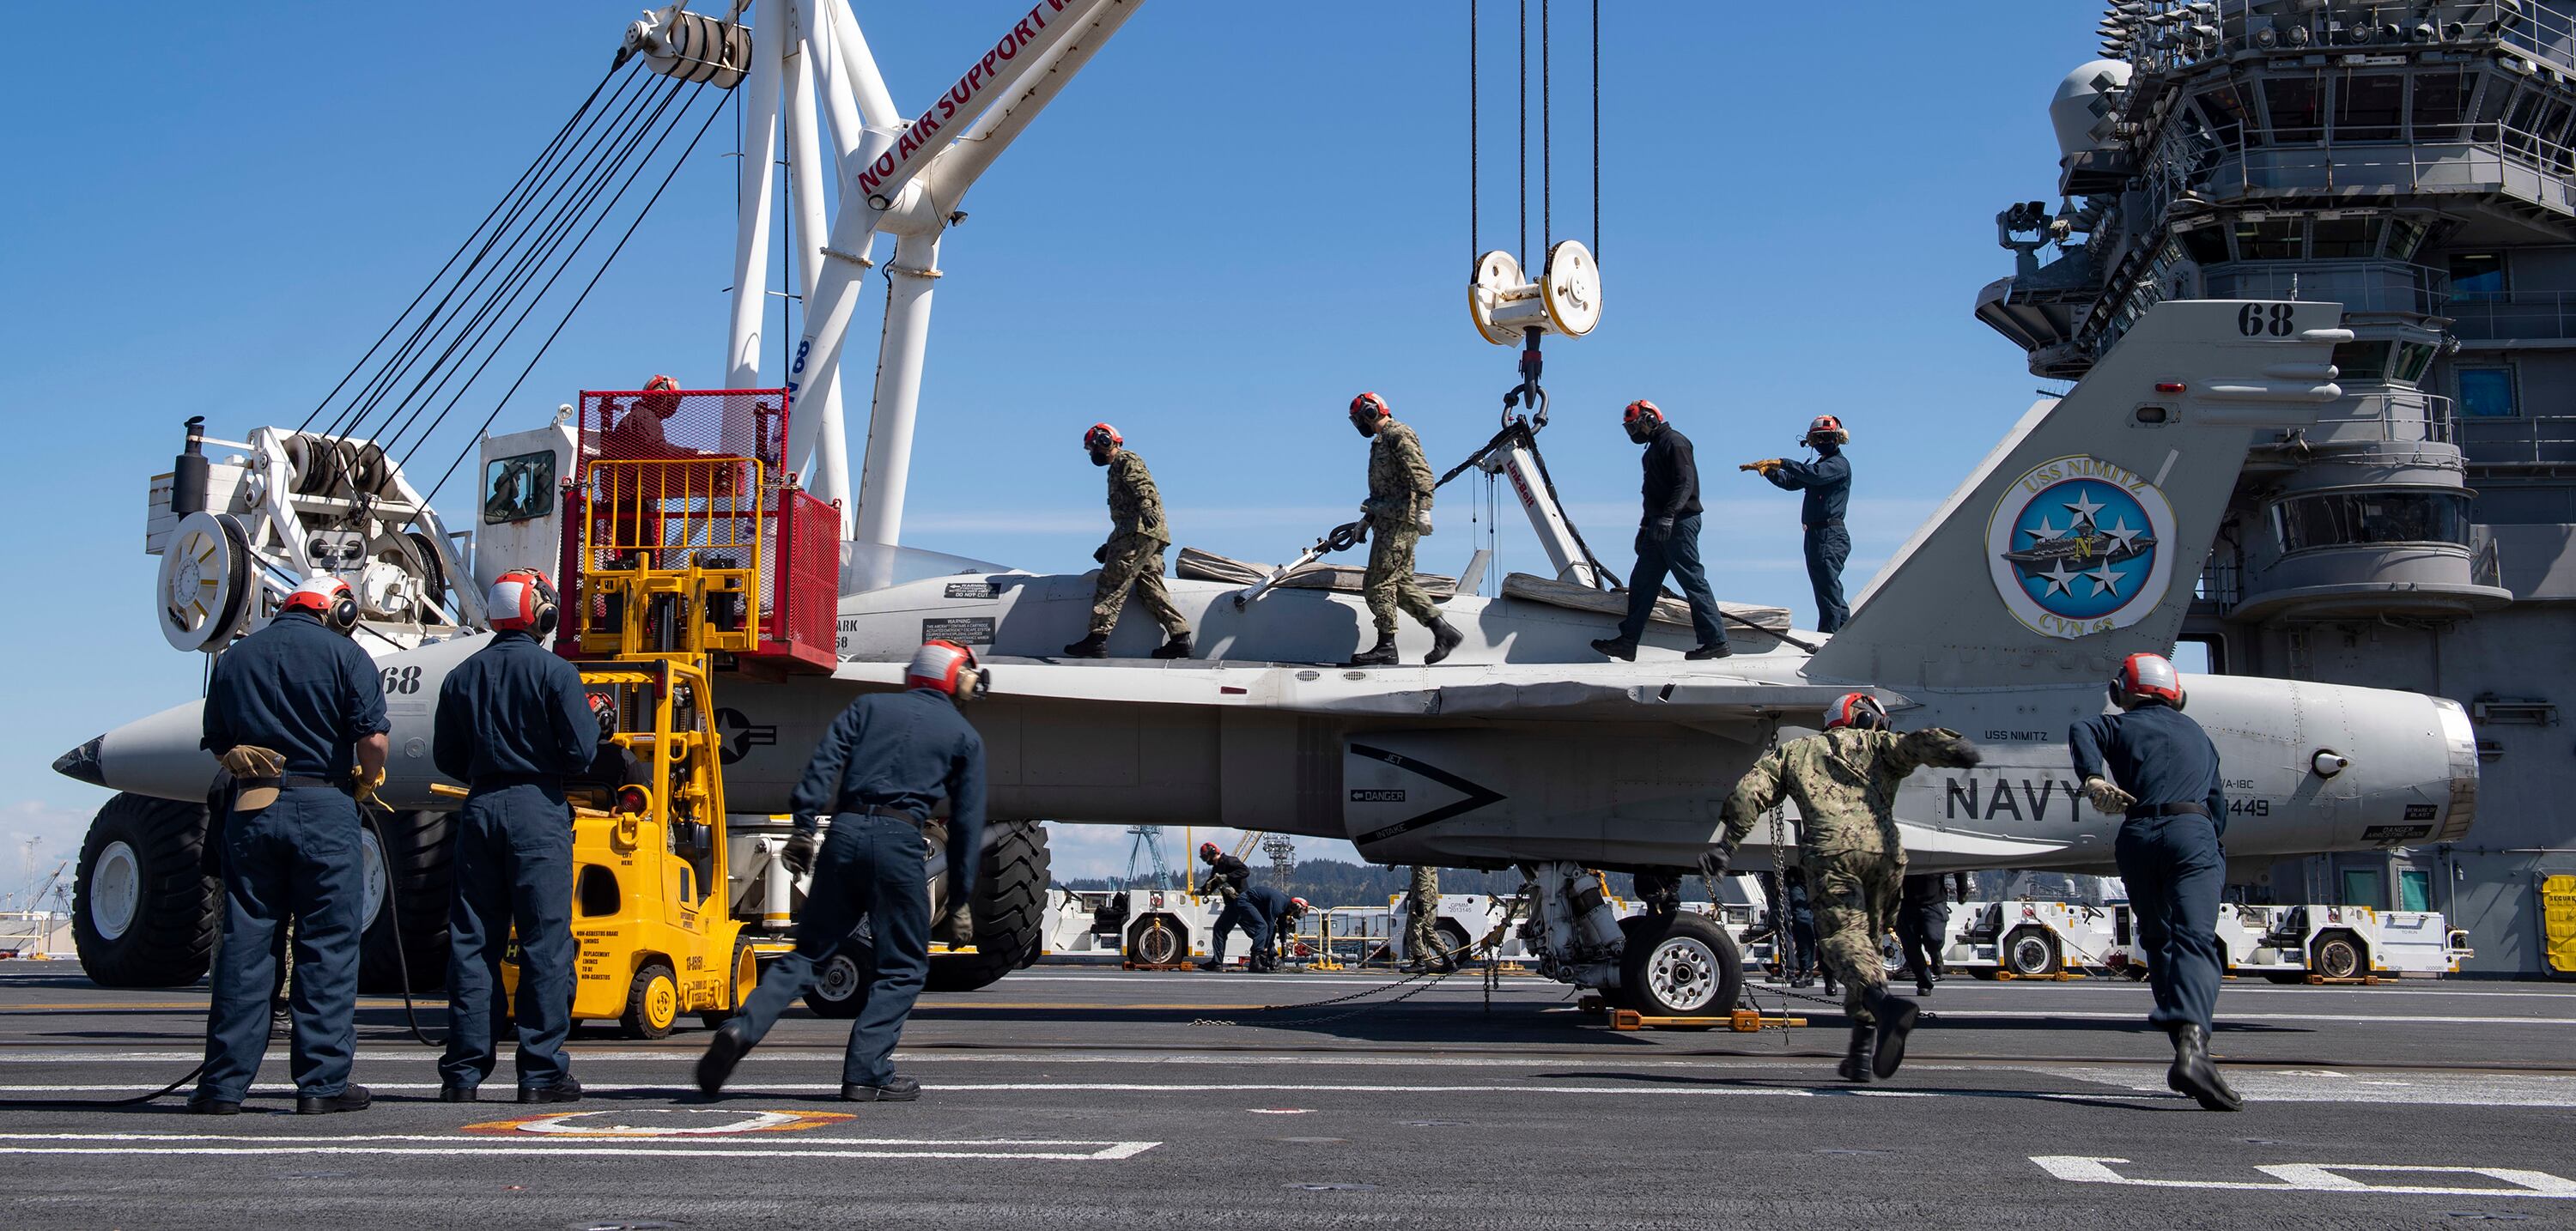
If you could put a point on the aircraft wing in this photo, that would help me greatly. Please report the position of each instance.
(1619, 692)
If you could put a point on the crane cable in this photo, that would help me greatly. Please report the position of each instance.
(432, 284)
(435, 321)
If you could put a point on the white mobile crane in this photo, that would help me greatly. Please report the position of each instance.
(239, 527)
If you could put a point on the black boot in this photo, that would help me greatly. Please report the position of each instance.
(1617, 647)
(2195, 1074)
(1714, 649)
(1380, 655)
(1094, 646)
(1444, 638)
(730, 1044)
(1856, 1063)
(1895, 1021)
(1178, 646)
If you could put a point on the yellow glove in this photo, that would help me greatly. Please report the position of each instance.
(366, 785)
(1763, 467)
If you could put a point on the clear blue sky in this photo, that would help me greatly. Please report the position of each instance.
(1238, 217)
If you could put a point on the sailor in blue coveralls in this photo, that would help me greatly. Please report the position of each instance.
(513, 723)
(1827, 482)
(296, 714)
(881, 770)
(2156, 768)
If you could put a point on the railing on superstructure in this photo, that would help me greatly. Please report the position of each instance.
(2533, 29)
(688, 536)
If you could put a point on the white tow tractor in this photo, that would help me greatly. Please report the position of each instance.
(2032, 939)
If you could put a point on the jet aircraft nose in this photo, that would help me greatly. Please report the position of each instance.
(82, 763)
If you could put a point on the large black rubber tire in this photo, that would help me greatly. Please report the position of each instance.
(1009, 909)
(1010, 926)
(2339, 955)
(169, 938)
(419, 877)
(1681, 966)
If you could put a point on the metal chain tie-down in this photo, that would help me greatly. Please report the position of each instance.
(1490, 969)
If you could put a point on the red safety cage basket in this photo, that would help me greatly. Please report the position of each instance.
(681, 478)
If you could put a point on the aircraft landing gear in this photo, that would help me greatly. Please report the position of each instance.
(1661, 964)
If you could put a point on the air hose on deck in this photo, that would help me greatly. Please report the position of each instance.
(402, 964)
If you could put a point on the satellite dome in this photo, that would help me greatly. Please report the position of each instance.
(2078, 111)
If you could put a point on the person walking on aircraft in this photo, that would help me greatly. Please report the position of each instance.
(513, 723)
(1667, 539)
(1132, 559)
(1398, 513)
(880, 772)
(1844, 780)
(295, 714)
(2155, 767)
(1827, 482)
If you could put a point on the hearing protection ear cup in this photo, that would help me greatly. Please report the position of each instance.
(344, 614)
(547, 613)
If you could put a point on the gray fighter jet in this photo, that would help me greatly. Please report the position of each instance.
(1525, 749)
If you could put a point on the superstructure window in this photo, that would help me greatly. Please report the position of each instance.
(2441, 99)
(2344, 519)
(2207, 245)
(2275, 239)
(2346, 237)
(2487, 393)
(2362, 360)
(2477, 276)
(2367, 107)
(2412, 359)
(2295, 105)
(2405, 235)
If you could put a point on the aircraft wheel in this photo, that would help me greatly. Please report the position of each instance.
(1009, 910)
(414, 875)
(143, 911)
(1686, 967)
(2030, 953)
(653, 1003)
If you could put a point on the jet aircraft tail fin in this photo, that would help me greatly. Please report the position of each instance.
(2080, 539)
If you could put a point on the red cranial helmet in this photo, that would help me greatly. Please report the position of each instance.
(661, 396)
(1826, 428)
(946, 667)
(328, 599)
(2146, 677)
(1370, 406)
(521, 600)
(1102, 436)
(1208, 851)
(1857, 710)
(1642, 409)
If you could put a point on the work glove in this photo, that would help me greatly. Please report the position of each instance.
(1100, 554)
(363, 785)
(2106, 798)
(1713, 862)
(1660, 529)
(799, 855)
(1763, 467)
(252, 761)
(1956, 749)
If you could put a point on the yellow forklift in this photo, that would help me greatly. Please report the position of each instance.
(665, 559)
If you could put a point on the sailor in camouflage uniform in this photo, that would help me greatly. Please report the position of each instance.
(1398, 513)
(1844, 782)
(1132, 559)
(1423, 948)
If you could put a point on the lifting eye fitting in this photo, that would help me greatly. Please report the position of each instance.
(1528, 394)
